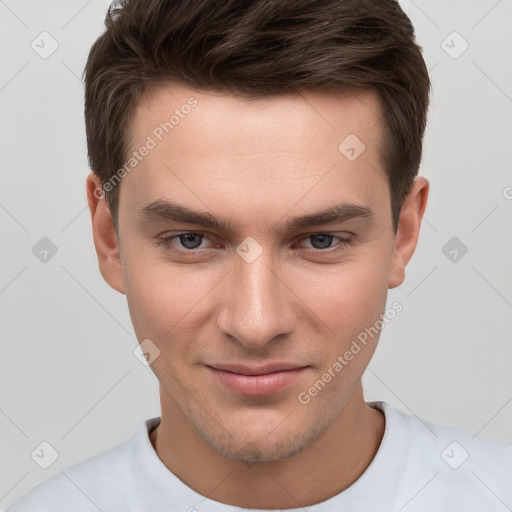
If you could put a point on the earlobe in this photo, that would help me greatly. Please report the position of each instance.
(408, 230)
(104, 234)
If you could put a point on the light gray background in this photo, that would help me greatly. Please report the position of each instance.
(68, 374)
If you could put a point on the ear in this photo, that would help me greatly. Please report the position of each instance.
(408, 230)
(104, 234)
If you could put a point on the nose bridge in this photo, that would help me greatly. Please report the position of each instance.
(255, 311)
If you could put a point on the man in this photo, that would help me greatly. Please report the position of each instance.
(255, 194)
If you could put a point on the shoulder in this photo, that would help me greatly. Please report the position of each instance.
(454, 464)
(86, 486)
(452, 448)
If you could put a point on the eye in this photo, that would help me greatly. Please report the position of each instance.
(190, 242)
(321, 242)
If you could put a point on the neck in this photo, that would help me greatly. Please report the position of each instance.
(307, 478)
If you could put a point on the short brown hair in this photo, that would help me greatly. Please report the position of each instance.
(257, 48)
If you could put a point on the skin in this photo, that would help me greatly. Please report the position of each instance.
(257, 163)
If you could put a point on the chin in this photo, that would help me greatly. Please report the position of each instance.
(258, 451)
(261, 444)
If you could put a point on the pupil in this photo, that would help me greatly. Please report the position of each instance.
(187, 240)
(327, 240)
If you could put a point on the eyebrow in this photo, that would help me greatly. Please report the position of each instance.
(164, 210)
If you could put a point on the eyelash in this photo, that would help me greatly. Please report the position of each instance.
(166, 241)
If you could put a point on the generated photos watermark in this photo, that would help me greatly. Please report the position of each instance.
(363, 337)
(152, 141)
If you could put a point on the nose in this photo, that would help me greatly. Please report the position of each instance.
(257, 304)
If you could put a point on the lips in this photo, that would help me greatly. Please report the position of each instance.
(256, 370)
(256, 380)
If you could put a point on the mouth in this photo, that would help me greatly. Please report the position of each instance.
(256, 380)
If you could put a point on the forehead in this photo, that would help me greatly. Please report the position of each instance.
(224, 119)
(291, 149)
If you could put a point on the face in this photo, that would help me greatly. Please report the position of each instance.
(267, 284)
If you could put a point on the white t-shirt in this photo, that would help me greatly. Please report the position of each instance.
(418, 467)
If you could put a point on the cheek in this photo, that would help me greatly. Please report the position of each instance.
(164, 298)
(347, 299)
(163, 306)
